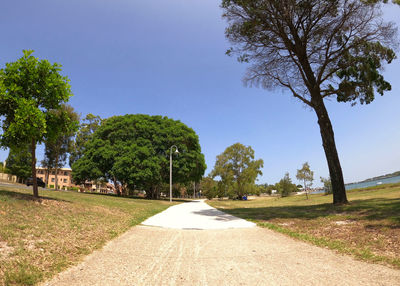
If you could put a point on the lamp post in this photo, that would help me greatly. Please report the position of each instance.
(170, 170)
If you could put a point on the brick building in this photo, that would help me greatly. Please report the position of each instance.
(64, 177)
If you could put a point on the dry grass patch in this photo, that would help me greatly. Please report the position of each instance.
(39, 238)
(368, 228)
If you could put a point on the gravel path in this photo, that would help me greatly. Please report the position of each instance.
(231, 255)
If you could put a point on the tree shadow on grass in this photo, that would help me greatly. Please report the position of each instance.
(27, 197)
(134, 197)
(370, 209)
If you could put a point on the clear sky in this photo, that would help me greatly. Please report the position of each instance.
(168, 58)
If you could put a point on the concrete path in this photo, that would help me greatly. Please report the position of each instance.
(196, 215)
(230, 256)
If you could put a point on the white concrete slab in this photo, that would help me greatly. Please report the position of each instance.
(196, 215)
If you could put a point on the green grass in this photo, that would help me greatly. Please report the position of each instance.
(368, 228)
(39, 238)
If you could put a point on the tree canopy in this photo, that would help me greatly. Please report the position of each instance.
(327, 185)
(306, 176)
(86, 129)
(314, 49)
(29, 89)
(133, 150)
(237, 169)
(57, 147)
(285, 186)
(19, 162)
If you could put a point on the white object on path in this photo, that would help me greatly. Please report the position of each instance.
(196, 215)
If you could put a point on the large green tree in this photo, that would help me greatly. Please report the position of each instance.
(133, 151)
(29, 89)
(315, 49)
(237, 169)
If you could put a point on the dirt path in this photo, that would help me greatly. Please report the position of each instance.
(148, 255)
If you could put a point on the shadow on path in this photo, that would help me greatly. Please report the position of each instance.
(219, 215)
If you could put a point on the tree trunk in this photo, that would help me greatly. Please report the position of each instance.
(332, 157)
(56, 175)
(117, 187)
(55, 178)
(153, 192)
(33, 152)
(305, 189)
(47, 177)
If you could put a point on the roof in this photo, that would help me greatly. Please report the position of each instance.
(62, 169)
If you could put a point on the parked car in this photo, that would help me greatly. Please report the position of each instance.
(40, 183)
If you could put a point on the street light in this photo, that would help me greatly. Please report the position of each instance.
(170, 170)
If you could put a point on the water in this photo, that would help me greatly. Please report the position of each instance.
(351, 186)
(372, 183)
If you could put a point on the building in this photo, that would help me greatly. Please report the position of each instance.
(98, 187)
(64, 177)
(65, 182)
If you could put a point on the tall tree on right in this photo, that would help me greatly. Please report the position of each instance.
(315, 49)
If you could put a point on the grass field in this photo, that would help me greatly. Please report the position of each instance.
(368, 228)
(39, 238)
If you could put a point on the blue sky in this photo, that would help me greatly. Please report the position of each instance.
(168, 58)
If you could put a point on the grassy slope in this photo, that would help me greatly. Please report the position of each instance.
(41, 238)
(368, 228)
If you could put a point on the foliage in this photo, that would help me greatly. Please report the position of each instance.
(285, 186)
(209, 188)
(327, 185)
(314, 49)
(86, 129)
(19, 162)
(384, 1)
(133, 150)
(345, 40)
(57, 148)
(237, 169)
(29, 89)
(262, 189)
(306, 175)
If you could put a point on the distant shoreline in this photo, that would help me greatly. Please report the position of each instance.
(395, 174)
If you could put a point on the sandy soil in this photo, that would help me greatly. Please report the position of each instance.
(148, 255)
